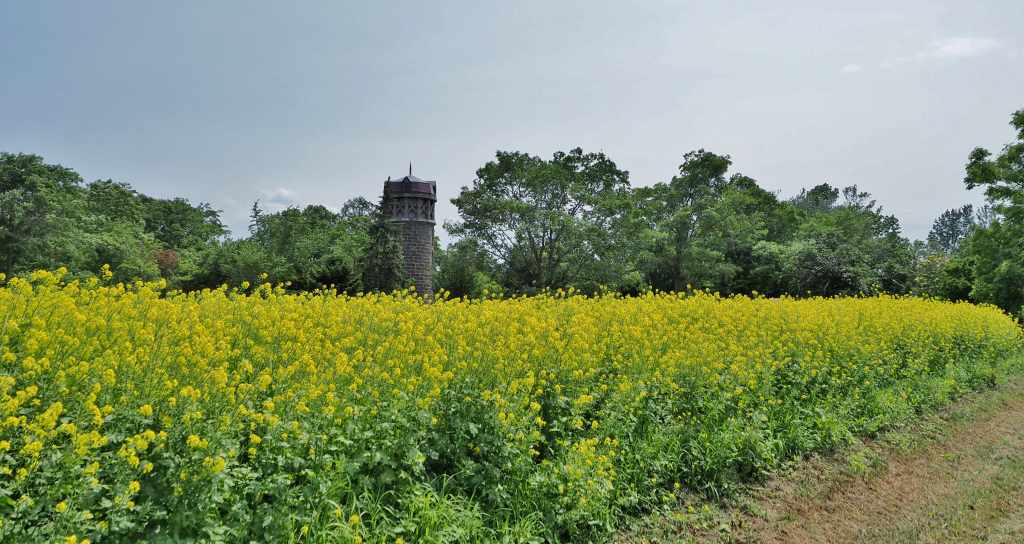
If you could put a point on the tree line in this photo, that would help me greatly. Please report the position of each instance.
(50, 218)
(528, 224)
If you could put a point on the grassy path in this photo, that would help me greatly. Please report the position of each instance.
(956, 476)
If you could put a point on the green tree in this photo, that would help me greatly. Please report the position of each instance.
(951, 228)
(34, 199)
(704, 225)
(358, 207)
(464, 269)
(317, 246)
(178, 225)
(48, 219)
(942, 267)
(840, 247)
(545, 221)
(114, 200)
(998, 258)
(382, 266)
(940, 275)
(230, 262)
(818, 199)
(997, 248)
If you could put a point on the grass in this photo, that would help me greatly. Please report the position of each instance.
(954, 475)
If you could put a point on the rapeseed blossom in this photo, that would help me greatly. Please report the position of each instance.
(127, 406)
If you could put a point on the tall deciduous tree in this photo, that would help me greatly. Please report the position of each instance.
(950, 229)
(34, 200)
(546, 221)
(997, 250)
(704, 226)
(464, 269)
(48, 219)
(383, 269)
(840, 247)
(317, 246)
(177, 224)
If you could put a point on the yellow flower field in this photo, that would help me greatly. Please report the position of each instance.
(228, 415)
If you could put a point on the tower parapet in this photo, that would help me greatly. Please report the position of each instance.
(409, 202)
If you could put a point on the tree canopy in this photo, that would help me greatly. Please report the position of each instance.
(995, 251)
(545, 221)
(527, 224)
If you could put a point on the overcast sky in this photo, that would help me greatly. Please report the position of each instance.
(227, 102)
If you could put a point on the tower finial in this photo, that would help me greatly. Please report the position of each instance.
(410, 168)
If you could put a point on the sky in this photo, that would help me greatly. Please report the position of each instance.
(317, 102)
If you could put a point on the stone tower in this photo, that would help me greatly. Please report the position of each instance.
(409, 202)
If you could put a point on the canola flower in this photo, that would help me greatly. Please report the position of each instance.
(128, 411)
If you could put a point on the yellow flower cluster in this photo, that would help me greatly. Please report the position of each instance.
(137, 400)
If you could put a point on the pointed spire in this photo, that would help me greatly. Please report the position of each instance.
(410, 168)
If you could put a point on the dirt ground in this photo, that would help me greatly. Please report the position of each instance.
(954, 477)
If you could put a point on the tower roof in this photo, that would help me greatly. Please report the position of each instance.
(410, 184)
(408, 178)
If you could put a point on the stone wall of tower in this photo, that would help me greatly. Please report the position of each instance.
(418, 254)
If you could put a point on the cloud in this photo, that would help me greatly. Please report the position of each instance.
(851, 68)
(948, 49)
(960, 48)
(279, 196)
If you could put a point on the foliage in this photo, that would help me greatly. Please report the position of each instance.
(464, 269)
(382, 265)
(32, 195)
(128, 412)
(231, 262)
(997, 248)
(177, 225)
(839, 248)
(997, 253)
(529, 225)
(944, 266)
(49, 218)
(314, 246)
(951, 228)
(705, 228)
(944, 276)
(690, 217)
(545, 221)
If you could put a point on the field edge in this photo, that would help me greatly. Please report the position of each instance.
(954, 474)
